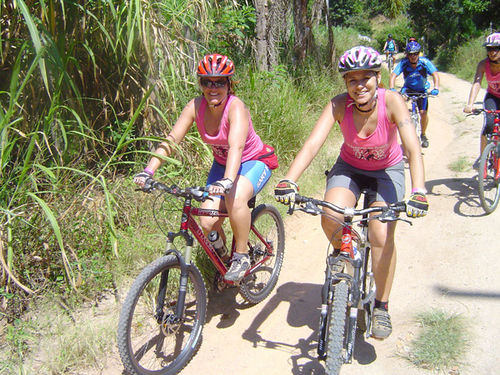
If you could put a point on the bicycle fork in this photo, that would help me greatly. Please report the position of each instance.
(183, 281)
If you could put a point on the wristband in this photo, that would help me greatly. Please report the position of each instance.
(149, 171)
(418, 190)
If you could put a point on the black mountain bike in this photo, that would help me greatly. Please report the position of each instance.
(348, 294)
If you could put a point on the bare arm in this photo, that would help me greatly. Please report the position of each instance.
(176, 135)
(435, 78)
(392, 80)
(476, 86)
(398, 113)
(239, 119)
(313, 143)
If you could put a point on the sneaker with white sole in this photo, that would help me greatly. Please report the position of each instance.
(425, 141)
(381, 324)
(239, 266)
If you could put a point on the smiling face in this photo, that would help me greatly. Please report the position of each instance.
(493, 54)
(215, 89)
(362, 85)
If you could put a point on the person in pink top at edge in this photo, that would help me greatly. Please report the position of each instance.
(370, 158)
(236, 175)
(491, 67)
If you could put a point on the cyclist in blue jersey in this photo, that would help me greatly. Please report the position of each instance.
(390, 48)
(415, 70)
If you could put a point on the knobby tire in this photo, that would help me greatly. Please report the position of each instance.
(259, 284)
(336, 329)
(144, 342)
(489, 192)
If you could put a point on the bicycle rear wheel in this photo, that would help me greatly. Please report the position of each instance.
(266, 239)
(150, 338)
(489, 193)
(336, 329)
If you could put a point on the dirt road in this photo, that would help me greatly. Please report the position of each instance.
(447, 260)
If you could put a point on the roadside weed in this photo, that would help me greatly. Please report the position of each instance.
(442, 341)
(460, 165)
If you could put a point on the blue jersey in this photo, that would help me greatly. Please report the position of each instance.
(415, 79)
(391, 46)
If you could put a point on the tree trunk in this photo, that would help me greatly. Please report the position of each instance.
(261, 11)
(302, 30)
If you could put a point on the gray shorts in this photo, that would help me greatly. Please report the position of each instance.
(383, 185)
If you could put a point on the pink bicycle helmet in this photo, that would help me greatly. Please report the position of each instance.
(492, 40)
(215, 65)
(360, 58)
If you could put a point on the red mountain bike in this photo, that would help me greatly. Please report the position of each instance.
(162, 317)
(489, 165)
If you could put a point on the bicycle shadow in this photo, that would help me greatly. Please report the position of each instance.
(304, 304)
(464, 189)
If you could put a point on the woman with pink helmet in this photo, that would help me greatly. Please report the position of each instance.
(370, 159)
(490, 66)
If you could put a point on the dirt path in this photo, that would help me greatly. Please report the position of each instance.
(447, 260)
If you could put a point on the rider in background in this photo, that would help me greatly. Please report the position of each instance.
(491, 67)
(370, 119)
(415, 70)
(390, 48)
(236, 175)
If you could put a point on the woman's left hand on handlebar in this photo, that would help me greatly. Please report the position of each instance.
(417, 205)
(220, 187)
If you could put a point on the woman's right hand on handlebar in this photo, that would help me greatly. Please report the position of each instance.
(141, 177)
(285, 191)
(468, 109)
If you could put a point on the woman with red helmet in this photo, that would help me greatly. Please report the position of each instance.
(371, 158)
(490, 67)
(237, 174)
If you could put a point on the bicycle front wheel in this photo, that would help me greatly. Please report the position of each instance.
(336, 329)
(489, 194)
(152, 339)
(266, 240)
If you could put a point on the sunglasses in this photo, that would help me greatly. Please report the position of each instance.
(413, 54)
(491, 49)
(205, 82)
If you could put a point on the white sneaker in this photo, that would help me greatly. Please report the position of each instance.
(239, 266)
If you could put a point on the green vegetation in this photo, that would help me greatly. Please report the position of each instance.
(460, 165)
(86, 91)
(442, 341)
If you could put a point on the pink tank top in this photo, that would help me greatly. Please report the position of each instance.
(219, 144)
(380, 149)
(493, 80)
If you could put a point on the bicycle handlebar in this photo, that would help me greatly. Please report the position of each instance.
(198, 193)
(312, 207)
(417, 95)
(477, 111)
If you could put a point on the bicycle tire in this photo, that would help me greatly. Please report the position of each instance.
(415, 118)
(390, 64)
(256, 286)
(364, 314)
(336, 329)
(142, 340)
(489, 192)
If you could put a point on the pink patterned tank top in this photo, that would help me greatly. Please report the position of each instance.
(493, 80)
(219, 143)
(380, 149)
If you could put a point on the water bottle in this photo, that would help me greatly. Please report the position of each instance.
(218, 244)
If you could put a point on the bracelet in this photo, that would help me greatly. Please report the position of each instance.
(149, 171)
(418, 190)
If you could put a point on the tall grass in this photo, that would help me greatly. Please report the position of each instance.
(466, 58)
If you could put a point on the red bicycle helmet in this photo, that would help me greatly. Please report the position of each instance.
(215, 65)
